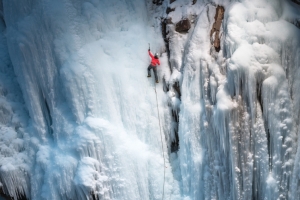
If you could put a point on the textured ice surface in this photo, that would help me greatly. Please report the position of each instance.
(238, 116)
(95, 131)
(84, 123)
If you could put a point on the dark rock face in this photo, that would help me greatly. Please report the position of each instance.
(296, 1)
(183, 26)
(169, 10)
(157, 2)
(297, 22)
(194, 1)
(171, 1)
(164, 24)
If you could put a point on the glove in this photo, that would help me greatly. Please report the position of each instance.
(148, 49)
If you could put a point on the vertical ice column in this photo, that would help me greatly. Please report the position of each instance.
(242, 109)
(14, 162)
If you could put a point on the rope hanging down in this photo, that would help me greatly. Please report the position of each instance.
(162, 146)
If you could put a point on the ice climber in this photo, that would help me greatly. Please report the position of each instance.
(154, 63)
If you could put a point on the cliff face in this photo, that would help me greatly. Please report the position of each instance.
(91, 131)
(237, 68)
(80, 120)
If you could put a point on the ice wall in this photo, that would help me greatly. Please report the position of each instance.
(90, 128)
(238, 119)
(13, 128)
(94, 129)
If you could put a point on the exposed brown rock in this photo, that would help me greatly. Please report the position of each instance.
(216, 27)
(183, 26)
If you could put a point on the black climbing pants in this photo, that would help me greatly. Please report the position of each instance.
(154, 70)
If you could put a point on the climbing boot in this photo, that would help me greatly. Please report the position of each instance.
(157, 82)
(149, 76)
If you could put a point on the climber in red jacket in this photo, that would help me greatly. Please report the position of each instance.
(154, 63)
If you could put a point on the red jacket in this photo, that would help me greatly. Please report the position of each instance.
(154, 61)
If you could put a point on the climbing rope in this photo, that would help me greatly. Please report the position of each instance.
(162, 146)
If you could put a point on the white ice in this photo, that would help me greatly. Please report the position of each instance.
(78, 117)
(94, 119)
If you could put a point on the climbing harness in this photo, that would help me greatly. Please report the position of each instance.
(162, 146)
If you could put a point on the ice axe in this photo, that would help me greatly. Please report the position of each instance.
(149, 46)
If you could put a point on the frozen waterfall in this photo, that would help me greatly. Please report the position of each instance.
(79, 118)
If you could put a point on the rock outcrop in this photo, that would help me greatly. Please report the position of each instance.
(183, 26)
